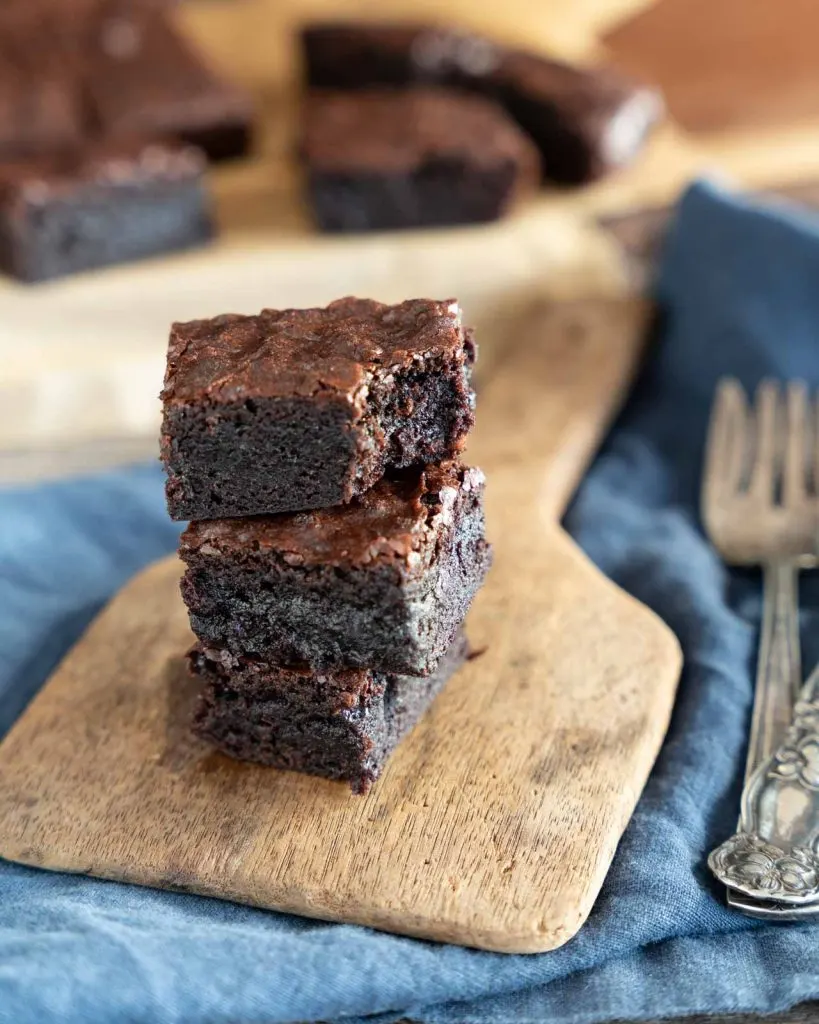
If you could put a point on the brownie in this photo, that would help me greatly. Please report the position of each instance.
(143, 77)
(585, 121)
(387, 159)
(103, 204)
(305, 408)
(40, 107)
(355, 55)
(382, 583)
(341, 725)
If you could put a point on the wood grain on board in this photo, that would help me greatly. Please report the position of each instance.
(497, 818)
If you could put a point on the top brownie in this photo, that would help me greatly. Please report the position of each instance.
(307, 408)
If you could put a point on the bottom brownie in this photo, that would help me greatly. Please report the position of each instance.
(342, 725)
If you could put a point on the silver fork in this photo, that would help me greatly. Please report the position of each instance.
(759, 507)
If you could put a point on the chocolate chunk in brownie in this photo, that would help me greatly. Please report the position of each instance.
(40, 107)
(584, 120)
(104, 204)
(143, 77)
(341, 725)
(305, 408)
(382, 583)
(379, 160)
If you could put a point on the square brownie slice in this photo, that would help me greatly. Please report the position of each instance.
(341, 725)
(143, 77)
(382, 583)
(108, 203)
(381, 160)
(305, 408)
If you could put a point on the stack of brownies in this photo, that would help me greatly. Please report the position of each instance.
(336, 540)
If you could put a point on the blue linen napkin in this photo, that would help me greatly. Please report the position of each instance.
(739, 287)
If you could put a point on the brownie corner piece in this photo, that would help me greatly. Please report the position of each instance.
(383, 583)
(341, 726)
(103, 203)
(306, 408)
(423, 157)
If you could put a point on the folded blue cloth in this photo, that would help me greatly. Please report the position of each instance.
(739, 287)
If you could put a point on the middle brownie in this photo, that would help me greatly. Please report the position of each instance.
(306, 408)
(383, 583)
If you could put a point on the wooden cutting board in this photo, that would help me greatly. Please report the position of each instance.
(497, 818)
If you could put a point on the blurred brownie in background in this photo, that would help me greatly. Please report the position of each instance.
(142, 76)
(102, 204)
(40, 104)
(585, 121)
(387, 159)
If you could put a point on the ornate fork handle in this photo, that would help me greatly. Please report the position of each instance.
(775, 853)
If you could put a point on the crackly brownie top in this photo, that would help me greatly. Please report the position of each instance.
(394, 130)
(305, 352)
(398, 522)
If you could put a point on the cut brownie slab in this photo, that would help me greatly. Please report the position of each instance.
(584, 120)
(105, 204)
(413, 158)
(305, 408)
(142, 76)
(382, 583)
(343, 725)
